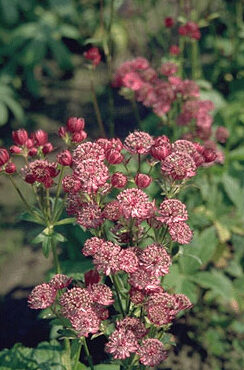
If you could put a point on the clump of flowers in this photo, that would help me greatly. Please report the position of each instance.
(133, 236)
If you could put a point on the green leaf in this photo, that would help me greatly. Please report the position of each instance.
(14, 107)
(3, 114)
(60, 53)
(46, 246)
(58, 237)
(107, 367)
(65, 221)
(39, 238)
(234, 190)
(237, 154)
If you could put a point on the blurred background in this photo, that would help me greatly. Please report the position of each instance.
(44, 80)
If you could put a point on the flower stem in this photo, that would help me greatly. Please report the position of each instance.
(58, 190)
(89, 359)
(67, 351)
(136, 111)
(55, 257)
(77, 356)
(96, 108)
(116, 286)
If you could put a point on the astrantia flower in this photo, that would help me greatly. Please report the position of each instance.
(135, 203)
(112, 211)
(180, 232)
(85, 322)
(60, 281)
(71, 184)
(74, 301)
(161, 308)
(90, 216)
(136, 296)
(42, 296)
(132, 80)
(121, 343)
(222, 134)
(128, 260)
(41, 171)
(189, 148)
(118, 180)
(179, 166)
(182, 302)
(138, 142)
(133, 324)
(155, 259)
(106, 259)
(92, 174)
(151, 352)
(161, 148)
(172, 210)
(92, 246)
(101, 293)
(86, 151)
(169, 69)
(144, 280)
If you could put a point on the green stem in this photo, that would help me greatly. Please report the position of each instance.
(136, 111)
(182, 47)
(195, 63)
(67, 351)
(96, 108)
(77, 356)
(89, 359)
(58, 190)
(116, 286)
(139, 163)
(22, 197)
(55, 258)
(48, 204)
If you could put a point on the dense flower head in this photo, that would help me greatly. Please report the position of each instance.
(136, 296)
(65, 158)
(71, 184)
(118, 180)
(41, 171)
(151, 352)
(180, 232)
(85, 322)
(132, 80)
(112, 211)
(106, 257)
(60, 281)
(169, 69)
(188, 147)
(92, 174)
(92, 246)
(142, 180)
(135, 203)
(155, 259)
(172, 210)
(133, 324)
(143, 279)
(74, 301)
(122, 342)
(178, 166)
(138, 142)
(128, 261)
(42, 296)
(86, 151)
(101, 293)
(161, 308)
(90, 215)
(182, 302)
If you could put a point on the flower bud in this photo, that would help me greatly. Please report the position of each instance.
(93, 54)
(14, 149)
(114, 156)
(160, 152)
(142, 180)
(92, 277)
(78, 137)
(32, 152)
(29, 143)
(174, 50)
(118, 180)
(4, 156)
(40, 137)
(47, 148)
(62, 131)
(209, 155)
(30, 179)
(20, 136)
(75, 124)
(222, 134)
(168, 22)
(64, 158)
(10, 168)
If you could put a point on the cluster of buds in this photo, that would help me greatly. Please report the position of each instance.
(30, 145)
(163, 91)
(6, 165)
(191, 30)
(73, 132)
(108, 191)
(93, 55)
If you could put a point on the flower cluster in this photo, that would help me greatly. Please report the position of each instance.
(163, 90)
(73, 132)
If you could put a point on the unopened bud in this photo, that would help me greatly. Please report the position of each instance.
(75, 124)
(142, 180)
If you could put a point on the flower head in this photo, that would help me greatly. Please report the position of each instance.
(42, 296)
(172, 210)
(180, 232)
(138, 142)
(179, 166)
(122, 343)
(60, 281)
(135, 203)
(151, 352)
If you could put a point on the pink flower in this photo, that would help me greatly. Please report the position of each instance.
(174, 50)
(135, 203)
(75, 124)
(133, 324)
(65, 158)
(60, 281)
(20, 136)
(136, 296)
(106, 259)
(182, 302)
(161, 308)
(132, 80)
(41, 171)
(101, 293)
(180, 232)
(86, 151)
(90, 216)
(142, 180)
(138, 142)
(152, 352)
(128, 261)
(118, 180)
(169, 69)
(168, 22)
(179, 166)
(144, 280)
(92, 174)
(92, 246)
(85, 322)
(172, 210)
(40, 137)
(189, 148)
(155, 259)
(114, 156)
(47, 148)
(10, 168)
(42, 296)
(112, 211)
(4, 156)
(74, 301)
(161, 148)
(222, 134)
(121, 343)
(71, 184)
